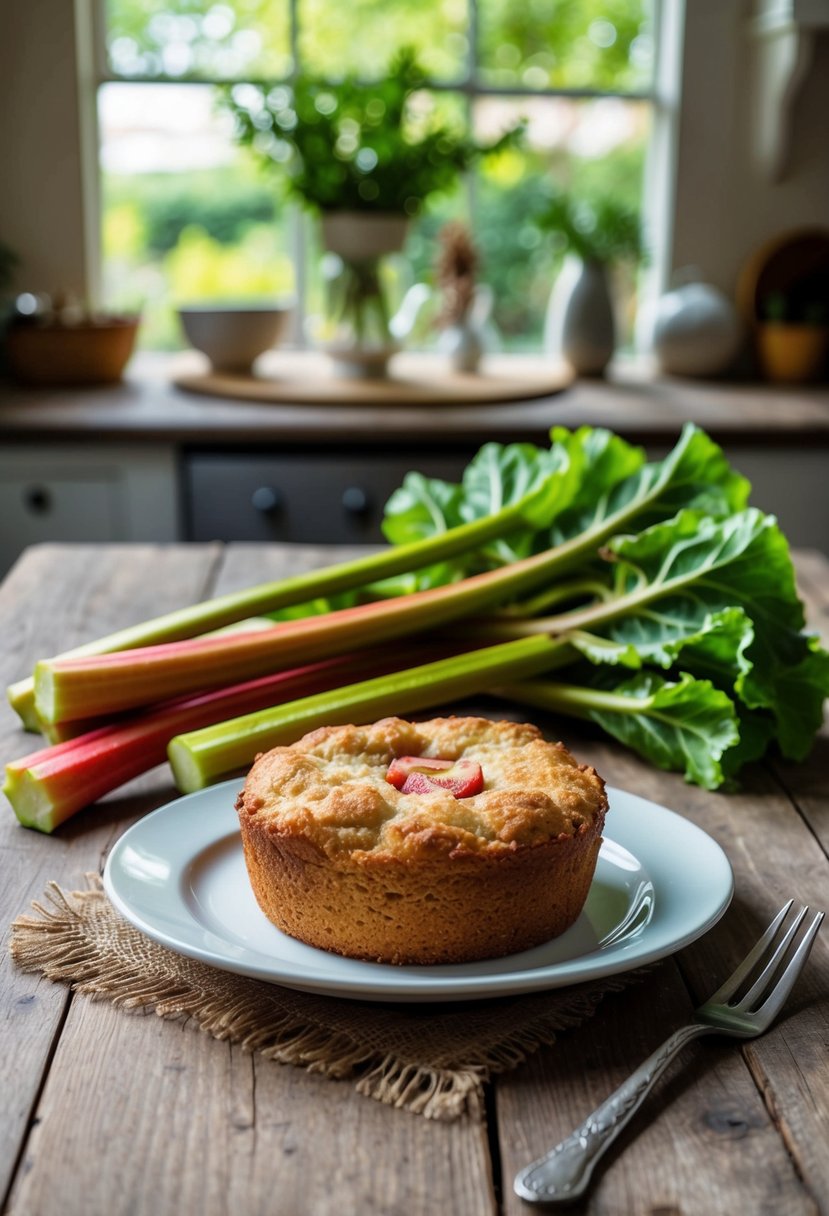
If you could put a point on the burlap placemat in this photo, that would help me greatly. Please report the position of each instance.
(429, 1059)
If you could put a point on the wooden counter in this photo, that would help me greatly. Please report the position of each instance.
(109, 1112)
(146, 461)
(147, 408)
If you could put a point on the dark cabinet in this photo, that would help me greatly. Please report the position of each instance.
(304, 497)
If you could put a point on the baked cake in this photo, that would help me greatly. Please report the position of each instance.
(431, 842)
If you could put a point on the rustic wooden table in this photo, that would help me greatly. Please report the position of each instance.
(108, 1113)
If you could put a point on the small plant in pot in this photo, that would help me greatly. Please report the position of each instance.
(465, 329)
(365, 157)
(793, 338)
(596, 234)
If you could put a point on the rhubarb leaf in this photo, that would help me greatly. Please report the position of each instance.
(537, 483)
(686, 726)
(692, 566)
(694, 474)
(544, 480)
(421, 507)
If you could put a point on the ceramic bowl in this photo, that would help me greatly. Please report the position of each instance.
(232, 337)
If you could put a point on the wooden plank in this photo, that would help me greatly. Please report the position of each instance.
(774, 856)
(57, 597)
(702, 1145)
(141, 1116)
(189, 1124)
(446, 1168)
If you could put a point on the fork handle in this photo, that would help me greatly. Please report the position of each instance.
(564, 1173)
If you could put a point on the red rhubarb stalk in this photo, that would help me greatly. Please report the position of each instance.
(81, 687)
(201, 757)
(196, 619)
(49, 785)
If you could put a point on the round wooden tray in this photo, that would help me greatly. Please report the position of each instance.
(309, 378)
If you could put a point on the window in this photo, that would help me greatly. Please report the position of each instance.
(187, 215)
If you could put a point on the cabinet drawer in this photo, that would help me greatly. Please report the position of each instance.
(312, 499)
(37, 508)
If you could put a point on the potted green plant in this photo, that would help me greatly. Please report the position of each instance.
(793, 338)
(596, 233)
(366, 158)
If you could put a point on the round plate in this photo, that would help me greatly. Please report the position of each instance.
(179, 876)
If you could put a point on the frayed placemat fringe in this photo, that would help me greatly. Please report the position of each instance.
(434, 1063)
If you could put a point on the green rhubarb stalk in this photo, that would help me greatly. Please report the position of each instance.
(69, 688)
(46, 787)
(88, 686)
(202, 757)
(223, 610)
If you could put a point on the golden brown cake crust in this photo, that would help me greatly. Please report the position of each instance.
(343, 860)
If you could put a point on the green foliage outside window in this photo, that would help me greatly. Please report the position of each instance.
(356, 146)
(226, 231)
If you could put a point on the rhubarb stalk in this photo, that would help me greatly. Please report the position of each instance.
(270, 597)
(200, 758)
(90, 685)
(49, 785)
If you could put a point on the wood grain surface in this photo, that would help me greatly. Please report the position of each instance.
(148, 407)
(304, 377)
(107, 1112)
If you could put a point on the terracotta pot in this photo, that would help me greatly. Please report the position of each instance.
(792, 354)
(94, 353)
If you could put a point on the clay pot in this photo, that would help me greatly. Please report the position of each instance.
(91, 353)
(791, 353)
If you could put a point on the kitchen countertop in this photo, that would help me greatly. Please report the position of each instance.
(632, 401)
(108, 1111)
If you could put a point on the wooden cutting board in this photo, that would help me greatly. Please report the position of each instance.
(304, 377)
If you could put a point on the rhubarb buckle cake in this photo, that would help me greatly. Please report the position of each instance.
(432, 842)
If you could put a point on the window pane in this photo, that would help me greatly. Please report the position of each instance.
(191, 39)
(593, 147)
(597, 44)
(186, 215)
(362, 36)
(416, 265)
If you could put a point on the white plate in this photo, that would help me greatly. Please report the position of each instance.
(179, 876)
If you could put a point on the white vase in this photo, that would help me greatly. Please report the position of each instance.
(468, 339)
(696, 331)
(580, 324)
(356, 332)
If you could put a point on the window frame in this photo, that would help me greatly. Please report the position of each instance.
(658, 188)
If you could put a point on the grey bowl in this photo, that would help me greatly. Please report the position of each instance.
(232, 337)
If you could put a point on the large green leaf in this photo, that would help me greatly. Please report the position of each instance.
(421, 507)
(545, 480)
(686, 725)
(535, 483)
(694, 474)
(677, 579)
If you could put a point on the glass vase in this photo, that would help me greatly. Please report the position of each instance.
(361, 278)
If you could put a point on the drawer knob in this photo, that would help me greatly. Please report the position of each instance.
(266, 499)
(356, 501)
(38, 500)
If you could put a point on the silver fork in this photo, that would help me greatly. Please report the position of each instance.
(563, 1174)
